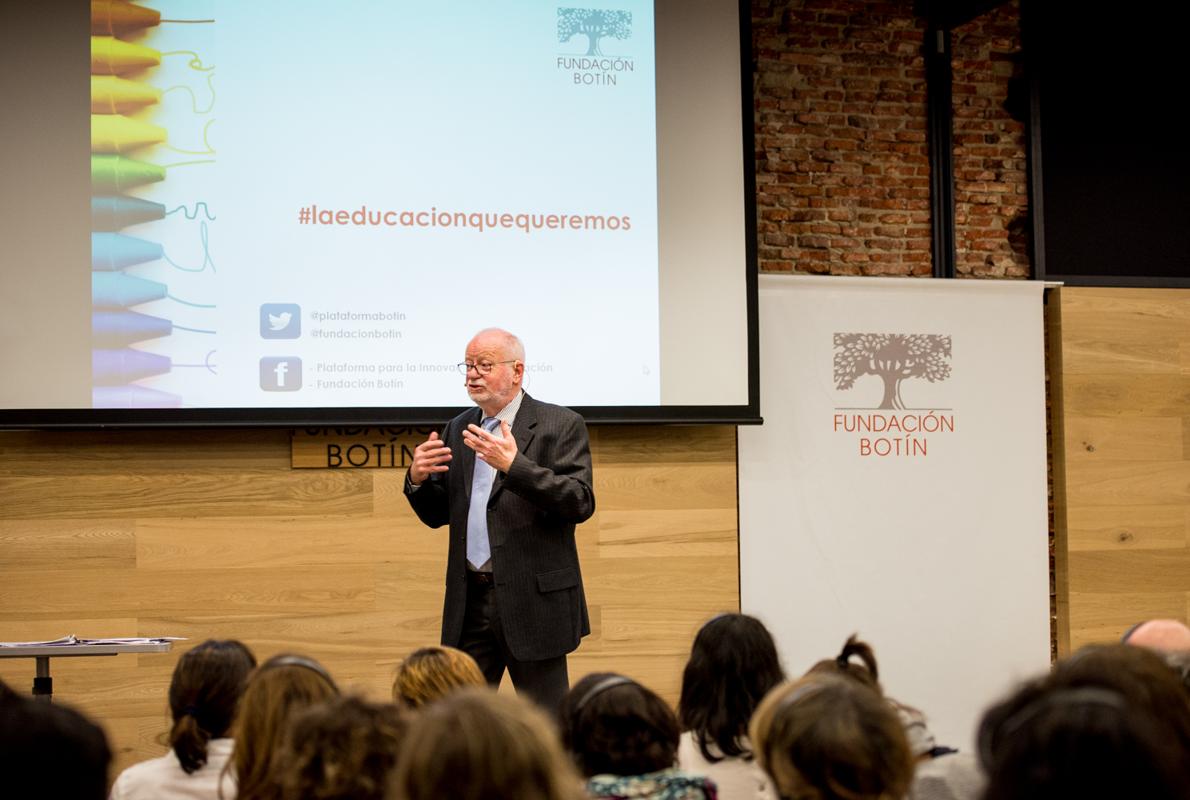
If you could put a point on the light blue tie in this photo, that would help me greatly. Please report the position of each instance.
(479, 550)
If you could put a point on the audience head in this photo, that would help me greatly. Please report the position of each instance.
(50, 750)
(828, 737)
(431, 673)
(1141, 676)
(733, 665)
(1111, 720)
(203, 695)
(475, 744)
(343, 749)
(856, 661)
(614, 726)
(1163, 635)
(1051, 740)
(278, 689)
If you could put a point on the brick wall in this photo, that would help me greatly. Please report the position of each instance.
(842, 167)
(991, 195)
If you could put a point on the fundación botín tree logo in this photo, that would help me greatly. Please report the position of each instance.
(594, 67)
(894, 358)
(594, 23)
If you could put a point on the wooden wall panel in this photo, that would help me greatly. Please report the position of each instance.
(1122, 459)
(213, 534)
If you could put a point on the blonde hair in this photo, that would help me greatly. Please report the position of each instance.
(827, 737)
(432, 673)
(478, 744)
(281, 686)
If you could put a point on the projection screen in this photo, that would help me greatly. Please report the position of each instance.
(300, 212)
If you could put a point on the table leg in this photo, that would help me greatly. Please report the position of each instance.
(43, 684)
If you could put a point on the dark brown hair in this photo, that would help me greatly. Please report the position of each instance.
(1105, 713)
(828, 737)
(1141, 675)
(1054, 741)
(865, 672)
(613, 725)
(733, 665)
(475, 744)
(345, 748)
(203, 693)
(844, 664)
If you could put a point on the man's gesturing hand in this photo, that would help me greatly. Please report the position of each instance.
(429, 457)
(488, 447)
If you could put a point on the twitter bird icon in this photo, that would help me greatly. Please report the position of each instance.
(280, 321)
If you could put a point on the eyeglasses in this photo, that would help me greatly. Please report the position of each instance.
(483, 367)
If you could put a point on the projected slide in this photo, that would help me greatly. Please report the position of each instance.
(305, 204)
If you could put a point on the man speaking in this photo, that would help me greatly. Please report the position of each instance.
(512, 478)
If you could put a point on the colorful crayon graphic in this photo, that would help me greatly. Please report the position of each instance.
(111, 213)
(123, 137)
(112, 251)
(114, 133)
(112, 56)
(117, 290)
(116, 17)
(132, 397)
(111, 94)
(119, 367)
(118, 173)
(121, 328)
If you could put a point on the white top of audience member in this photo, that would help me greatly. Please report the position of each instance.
(737, 778)
(955, 776)
(164, 779)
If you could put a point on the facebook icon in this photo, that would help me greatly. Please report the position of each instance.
(281, 373)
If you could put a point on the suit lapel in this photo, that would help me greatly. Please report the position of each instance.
(524, 428)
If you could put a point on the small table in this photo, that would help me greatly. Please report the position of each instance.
(43, 684)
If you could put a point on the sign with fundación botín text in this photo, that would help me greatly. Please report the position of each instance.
(356, 447)
(897, 488)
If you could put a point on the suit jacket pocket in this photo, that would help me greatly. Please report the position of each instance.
(557, 580)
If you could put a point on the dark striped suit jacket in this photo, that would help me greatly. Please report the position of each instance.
(532, 513)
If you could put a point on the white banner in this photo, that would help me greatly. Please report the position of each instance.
(897, 488)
